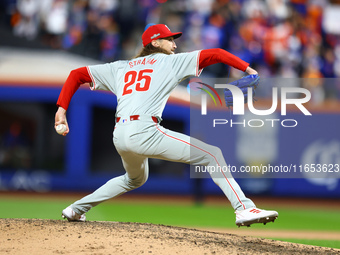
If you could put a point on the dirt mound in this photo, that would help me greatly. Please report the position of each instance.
(36, 236)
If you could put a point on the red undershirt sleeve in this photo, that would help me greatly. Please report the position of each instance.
(214, 56)
(76, 78)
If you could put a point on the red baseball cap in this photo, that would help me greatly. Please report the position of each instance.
(158, 31)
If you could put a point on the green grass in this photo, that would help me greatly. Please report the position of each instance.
(187, 215)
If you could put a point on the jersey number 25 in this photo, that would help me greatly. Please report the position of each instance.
(134, 77)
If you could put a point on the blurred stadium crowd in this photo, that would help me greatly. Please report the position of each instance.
(280, 38)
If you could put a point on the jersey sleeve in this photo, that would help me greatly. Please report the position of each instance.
(186, 64)
(213, 56)
(76, 78)
(102, 77)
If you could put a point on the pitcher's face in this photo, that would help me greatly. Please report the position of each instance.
(168, 44)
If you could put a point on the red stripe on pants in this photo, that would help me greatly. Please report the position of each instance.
(210, 155)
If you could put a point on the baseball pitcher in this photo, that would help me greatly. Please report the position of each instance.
(142, 86)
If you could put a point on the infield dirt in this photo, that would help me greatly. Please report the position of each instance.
(36, 236)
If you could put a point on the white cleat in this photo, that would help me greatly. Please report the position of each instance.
(254, 215)
(71, 215)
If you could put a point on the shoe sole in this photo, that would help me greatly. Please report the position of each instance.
(263, 220)
(65, 217)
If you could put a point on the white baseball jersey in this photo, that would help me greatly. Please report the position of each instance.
(143, 85)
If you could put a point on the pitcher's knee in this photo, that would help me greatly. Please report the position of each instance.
(136, 182)
(217, 150)
(214, 155)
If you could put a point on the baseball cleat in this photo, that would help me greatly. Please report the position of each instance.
(71, 215)
(254, 215)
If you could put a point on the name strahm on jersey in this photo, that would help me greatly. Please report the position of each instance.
(144, 61)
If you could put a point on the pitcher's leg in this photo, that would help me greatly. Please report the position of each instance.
(213, 155)
(137, 170)
(182, 148)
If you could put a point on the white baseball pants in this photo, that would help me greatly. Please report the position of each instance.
(138, 140)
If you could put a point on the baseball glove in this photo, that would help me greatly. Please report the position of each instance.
(251, 80)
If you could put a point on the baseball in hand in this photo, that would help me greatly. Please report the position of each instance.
(61, 128)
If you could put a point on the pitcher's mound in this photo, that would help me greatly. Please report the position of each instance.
(36, 236)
